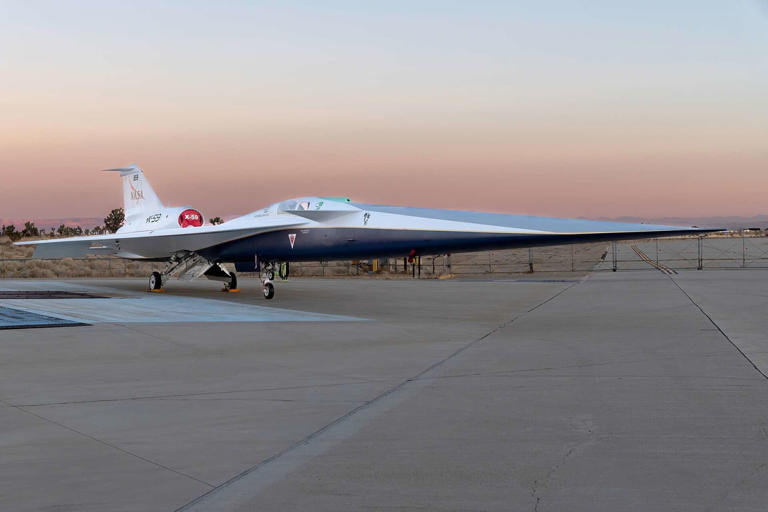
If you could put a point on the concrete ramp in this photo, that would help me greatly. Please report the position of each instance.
(162, 308)
(19, 319)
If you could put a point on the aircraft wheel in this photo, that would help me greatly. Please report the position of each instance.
(271, 275)
(233, 281)
(269, 290)
(155, 281)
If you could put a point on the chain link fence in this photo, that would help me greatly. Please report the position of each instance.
(744, 250)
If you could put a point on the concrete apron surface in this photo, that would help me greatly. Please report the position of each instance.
(627, 391)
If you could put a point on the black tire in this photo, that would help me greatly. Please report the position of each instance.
(271, 275)
(269, 291)
(232, 281)
(155, 281)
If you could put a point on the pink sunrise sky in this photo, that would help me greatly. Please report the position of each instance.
(568, 109)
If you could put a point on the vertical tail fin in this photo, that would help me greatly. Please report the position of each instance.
(138, 196)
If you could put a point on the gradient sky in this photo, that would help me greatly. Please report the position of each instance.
(580, 108)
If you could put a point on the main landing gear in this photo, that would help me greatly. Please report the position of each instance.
(188, 265)
(232, 285)
(155, 282)
(229, 279)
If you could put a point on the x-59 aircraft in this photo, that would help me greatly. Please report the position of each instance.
(316, 228)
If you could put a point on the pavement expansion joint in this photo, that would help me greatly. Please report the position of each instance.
(200, 502)
(712, 321)
(538, 485)
(103, 442)
(194, 394)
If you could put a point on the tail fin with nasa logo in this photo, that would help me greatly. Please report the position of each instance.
(143, 209)
(138, 197)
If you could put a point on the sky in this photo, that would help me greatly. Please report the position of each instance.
(561, 108)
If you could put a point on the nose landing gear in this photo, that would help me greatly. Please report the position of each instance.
(267, 274)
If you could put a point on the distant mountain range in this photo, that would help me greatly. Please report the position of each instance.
(757, 221)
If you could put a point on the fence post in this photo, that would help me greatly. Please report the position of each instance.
(573, 248)
(530, 259)
(743, 250)
(490, 269)
(657, 251)
(701, 257)
(614, 254)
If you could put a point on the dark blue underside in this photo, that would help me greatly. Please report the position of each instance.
(356, 243)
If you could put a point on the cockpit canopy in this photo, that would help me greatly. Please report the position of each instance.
(314, 203)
